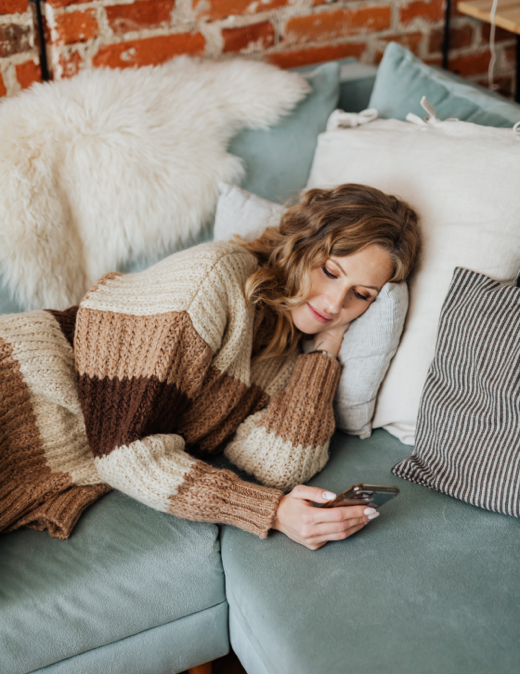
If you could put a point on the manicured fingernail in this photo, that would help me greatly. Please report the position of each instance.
(369, 511)
(372, 517)
(328, 495)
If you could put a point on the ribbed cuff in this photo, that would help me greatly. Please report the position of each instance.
(216, 495)
(251, 507)
(318, 374)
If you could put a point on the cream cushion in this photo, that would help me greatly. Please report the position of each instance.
(371, 340)
(462, 179)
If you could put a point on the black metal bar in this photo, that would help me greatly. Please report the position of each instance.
(446, 38)
(517, 76)
(41, 34)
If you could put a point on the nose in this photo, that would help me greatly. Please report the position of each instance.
(336, 301)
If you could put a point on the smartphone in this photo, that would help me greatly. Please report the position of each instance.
(374, 495)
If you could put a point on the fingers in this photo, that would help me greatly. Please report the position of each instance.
(341, 514)
(314, 494)
(320, 541)
(334, 528)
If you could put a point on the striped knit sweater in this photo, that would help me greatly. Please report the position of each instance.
(132, 389)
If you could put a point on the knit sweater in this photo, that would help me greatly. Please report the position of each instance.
(152, 373)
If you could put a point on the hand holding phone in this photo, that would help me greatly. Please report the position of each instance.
(374, 495)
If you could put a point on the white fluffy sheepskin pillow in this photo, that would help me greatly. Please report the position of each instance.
(114, 164)
(371, 340)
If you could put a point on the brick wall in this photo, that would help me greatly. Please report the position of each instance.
(125, 33)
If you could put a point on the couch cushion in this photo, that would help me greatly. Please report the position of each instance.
(356, 81)
(432, 585)
(126, 568)
(174, 647)
(403, 79)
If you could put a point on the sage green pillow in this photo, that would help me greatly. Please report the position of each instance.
(403, 79)
(278, 160)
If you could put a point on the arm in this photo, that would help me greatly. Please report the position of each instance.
(287, 442)
(137, 374)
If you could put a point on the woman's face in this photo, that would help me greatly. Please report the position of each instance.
(342, 289)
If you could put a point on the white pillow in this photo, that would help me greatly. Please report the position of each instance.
(240, 212)
(463, 180)
(370, 341)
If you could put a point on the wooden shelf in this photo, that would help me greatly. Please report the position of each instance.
(507, 14)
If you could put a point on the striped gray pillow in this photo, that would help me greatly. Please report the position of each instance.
(468, 433)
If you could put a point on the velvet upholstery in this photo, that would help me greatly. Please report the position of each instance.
(432, 585)
(166, 649)
(125, 569)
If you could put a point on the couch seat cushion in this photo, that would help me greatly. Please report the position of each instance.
(126, 568)
(432, 585)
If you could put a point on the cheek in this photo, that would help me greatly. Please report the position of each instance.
(354, 311)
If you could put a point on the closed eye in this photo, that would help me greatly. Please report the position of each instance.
(327, 272)
(361, 297)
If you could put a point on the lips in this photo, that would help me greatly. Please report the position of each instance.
(318, 316)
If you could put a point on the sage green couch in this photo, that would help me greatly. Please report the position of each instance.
(430, 586)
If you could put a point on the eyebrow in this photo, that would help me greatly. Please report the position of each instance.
(371, 287)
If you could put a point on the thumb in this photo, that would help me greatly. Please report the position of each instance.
(312, 494)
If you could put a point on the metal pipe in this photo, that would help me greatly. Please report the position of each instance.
(41, 34)
(446, 38)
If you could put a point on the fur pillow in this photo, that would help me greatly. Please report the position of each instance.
(112, 164)
(370, 342)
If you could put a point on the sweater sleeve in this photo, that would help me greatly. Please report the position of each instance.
(136, 375)
(286, 443)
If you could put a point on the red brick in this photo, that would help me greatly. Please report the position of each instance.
(501, 35)
(220, 9)
(411, 41)
(13, 7)
(471, 64)
(141, 14)
(461, 36)
(432, 11)
(150, 51)
(14, 39)
(3, 90)
(28, 73)
(329, 25)
(65, 3)
(304, 57)
(70, 64)
(256, 36)
(504, 84)
(510, 54)
(433, 61)
(77, 26)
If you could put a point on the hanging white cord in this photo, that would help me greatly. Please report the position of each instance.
(491, 68)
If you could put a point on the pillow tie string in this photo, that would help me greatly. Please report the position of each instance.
(431, 119)
(516, 131)
(349, 120)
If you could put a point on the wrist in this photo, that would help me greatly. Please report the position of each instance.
(328, 346)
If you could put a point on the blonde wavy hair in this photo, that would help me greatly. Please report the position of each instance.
(339, 221)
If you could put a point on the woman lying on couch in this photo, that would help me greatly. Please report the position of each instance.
(197, 355)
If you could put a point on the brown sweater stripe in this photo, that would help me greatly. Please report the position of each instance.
(118, 412)
(67, 322)
(160, 346)
(216, 413)
(309, 396)
(30, 493)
